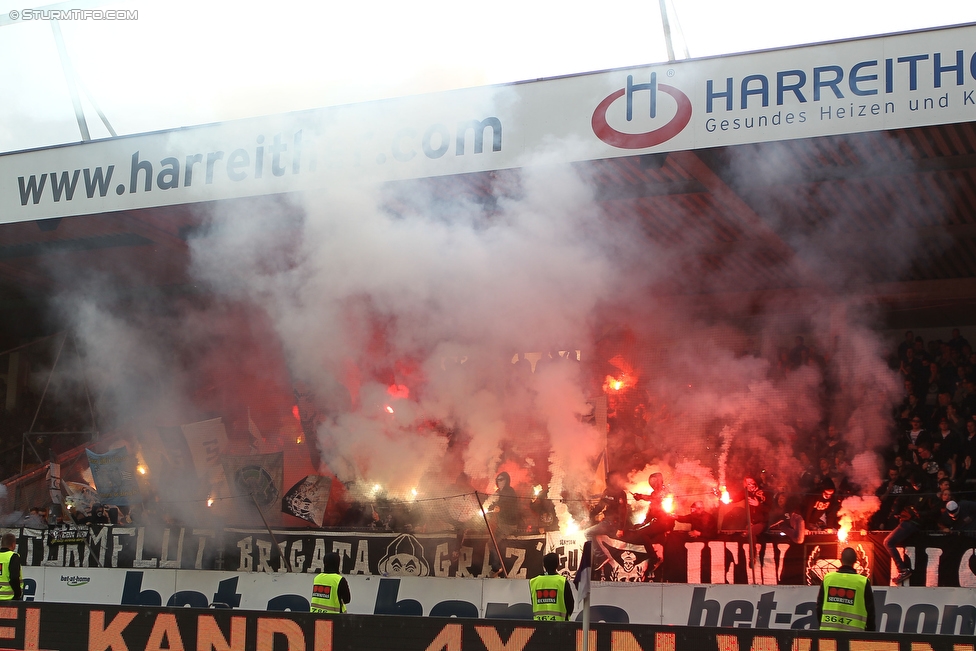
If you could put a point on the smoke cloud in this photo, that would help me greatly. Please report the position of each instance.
(438, 331)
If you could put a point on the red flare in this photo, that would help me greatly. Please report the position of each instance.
(398, 390)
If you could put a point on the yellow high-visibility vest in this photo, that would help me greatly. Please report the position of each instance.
(6, 590)
(844, 608)
(325, 594)
(548, 602)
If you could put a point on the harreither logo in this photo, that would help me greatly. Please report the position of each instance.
(625, 140)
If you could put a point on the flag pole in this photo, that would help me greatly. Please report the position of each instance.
(752, 541)
(491, 534)
(584, 575)
(284, 557)
(586, 622)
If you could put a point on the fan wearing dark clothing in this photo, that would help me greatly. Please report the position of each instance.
(702, 522)
(504, 505)
(657, 522)
(504, 509)
(821, 512)
(612, 510)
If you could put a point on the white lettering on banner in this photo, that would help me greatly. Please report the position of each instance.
(721, 567)
(344, 550)
(203, 534)
(695, 551)
(465, 559)
(362, 558)
(769, 561)
(58, 560)
(442, 560)
(140, 548)
(31, 536)
(164, 560)
(296, 557)
(73, 556)
(934, 555)
(517, 571)
(264, 556)
(966, 577)
(318, 557)
(117, 534)
(486, 561)
(246, 545)
(99, 540)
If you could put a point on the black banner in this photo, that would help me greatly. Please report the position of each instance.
(381, 554)
(939, 560)
(71, 627)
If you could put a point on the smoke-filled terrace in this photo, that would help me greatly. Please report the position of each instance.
(554, 322)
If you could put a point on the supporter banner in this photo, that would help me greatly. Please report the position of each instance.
(380, 554)
(82, 627)
(308, 499)
(939, 560)
(889, 82)
(259, 476)
(206, 442)
(114, 475)
(68, 535)
(81, 497)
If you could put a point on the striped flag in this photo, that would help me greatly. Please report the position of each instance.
(582, 578)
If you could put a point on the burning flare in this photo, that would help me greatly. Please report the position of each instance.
(845, 527)
(668, 503)
(615, 384)
(571, 526)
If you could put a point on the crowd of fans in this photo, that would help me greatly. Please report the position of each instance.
(929, 479)
(928, 485)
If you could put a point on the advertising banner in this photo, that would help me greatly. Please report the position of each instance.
(898, 81)
(945, 612)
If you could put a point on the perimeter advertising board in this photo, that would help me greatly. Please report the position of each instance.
(87, 628)
(898, 81)
(930, 611)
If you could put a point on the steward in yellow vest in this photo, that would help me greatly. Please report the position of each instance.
(552, 598)
(10, 584)
(330, 590)
(845, 602)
